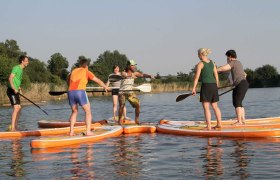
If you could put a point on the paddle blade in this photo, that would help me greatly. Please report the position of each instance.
(57, 93)
(115, 78)
(182, 97)
(144, 87)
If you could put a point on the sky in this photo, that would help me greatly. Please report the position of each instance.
(162, 36)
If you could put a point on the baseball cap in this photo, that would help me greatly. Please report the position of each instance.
(132, 62)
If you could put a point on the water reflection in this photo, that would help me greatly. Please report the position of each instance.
(213, 166)
(82, 166)
(215, 160)
(241, 158)
(127, 158)
(17, 164)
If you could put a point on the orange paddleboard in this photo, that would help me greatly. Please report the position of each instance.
(191, 128)
(100, 132)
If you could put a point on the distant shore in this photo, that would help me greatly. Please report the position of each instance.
(38, 93)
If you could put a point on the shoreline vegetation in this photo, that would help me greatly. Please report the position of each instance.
(39, 92)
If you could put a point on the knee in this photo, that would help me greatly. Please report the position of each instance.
(75, 111)
(17, 108)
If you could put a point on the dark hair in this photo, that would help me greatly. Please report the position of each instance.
(21, 58)
(83, 62)
(114, 67)
(231, 53)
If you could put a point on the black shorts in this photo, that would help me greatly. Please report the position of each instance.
(209, 92)
(115, 92)
(14, 98)
(239, 93)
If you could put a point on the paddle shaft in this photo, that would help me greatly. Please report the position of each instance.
(185, 95)
(57, 93)
(33, 103)
(226, 92)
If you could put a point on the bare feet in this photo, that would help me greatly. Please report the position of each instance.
(237, 123)
(137, 122)
(120, 122)
(217, 127)
(90, 133)
(72, 134)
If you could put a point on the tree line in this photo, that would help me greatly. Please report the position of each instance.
(55, 71)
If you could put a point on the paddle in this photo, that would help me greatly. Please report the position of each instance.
(185, 95)
(226, 92)
(143, 88)
(33, 103)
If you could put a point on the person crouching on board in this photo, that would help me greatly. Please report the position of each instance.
(128, 75)
(77, 81)
(115, 91)
(206, 70)
(239, 81)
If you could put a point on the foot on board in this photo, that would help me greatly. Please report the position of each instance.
(238, 123)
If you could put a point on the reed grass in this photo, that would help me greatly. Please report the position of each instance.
(38, 92)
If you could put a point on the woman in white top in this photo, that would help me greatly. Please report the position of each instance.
(115, 90)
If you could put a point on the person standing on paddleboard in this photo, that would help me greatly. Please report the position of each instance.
(128, 75)
(14, 89)
(77, 81)
(206, 70)
(115, 91)
(239, 81)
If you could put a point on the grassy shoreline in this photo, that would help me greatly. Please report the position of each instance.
(39, 92)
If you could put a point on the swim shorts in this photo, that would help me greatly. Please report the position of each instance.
(131, 97)
(77, 97)
(14, 98)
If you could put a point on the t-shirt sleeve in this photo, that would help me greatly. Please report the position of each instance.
(90, 75)
(231, 64)
(14, 70)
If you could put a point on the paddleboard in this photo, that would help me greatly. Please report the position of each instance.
(260, 121)
(141, 128)
(129, 126)
(63, 123)
(44, 132)
(190, 128)
(100, 132)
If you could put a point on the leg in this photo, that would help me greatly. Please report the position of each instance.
(239, 114)
(207, 114)
(88, 119)
(134, 101)
(73, 118)
(115, 104)
(122, 99)
(137, 113)
(121, 109)
(243, 115)
(124, 112)
(218, 114)
(15, 117)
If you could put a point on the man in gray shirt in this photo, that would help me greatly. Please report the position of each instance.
(239, 81)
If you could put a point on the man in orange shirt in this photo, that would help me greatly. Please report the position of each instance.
(77, 95)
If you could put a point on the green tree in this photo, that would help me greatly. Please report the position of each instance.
(103, 66)
(6, 67)
(58, 65)
(267, 75)
(37, 71)
(10, 49)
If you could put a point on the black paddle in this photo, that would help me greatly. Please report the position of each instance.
(185, 95)
(33, 103)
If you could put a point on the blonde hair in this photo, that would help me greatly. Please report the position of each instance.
(204, 51)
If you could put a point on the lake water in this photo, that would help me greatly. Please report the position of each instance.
(146, 156)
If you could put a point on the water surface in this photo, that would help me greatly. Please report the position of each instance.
(146, 156)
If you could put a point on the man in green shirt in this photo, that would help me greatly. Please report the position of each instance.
(14, 83)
